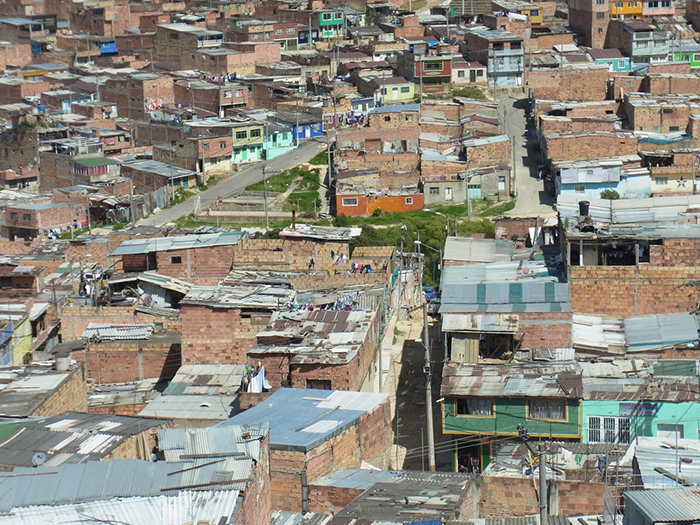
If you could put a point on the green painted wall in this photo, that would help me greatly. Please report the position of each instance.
(508, 414)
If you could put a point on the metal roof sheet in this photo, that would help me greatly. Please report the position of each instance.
(181, 242)
(115, 332)
(660, 331)
(469, 249)
(207, 380)
(181, 508)
(343, 409)
(191, 407)
(667, 506)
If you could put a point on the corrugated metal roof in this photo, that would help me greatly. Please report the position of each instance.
(340, 410)
(180, 509)
(116, 332)
(240, 296)
(200, 407)
(470, 249)
(479, 323)
(354, 478)
(98, 480)
(181, 242)
(660, 331)
(207, 380)
(665, 506)
(656, 452)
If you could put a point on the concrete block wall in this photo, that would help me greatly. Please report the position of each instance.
(654, 290)
(70, 395)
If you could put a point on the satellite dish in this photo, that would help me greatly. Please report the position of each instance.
(39, 459)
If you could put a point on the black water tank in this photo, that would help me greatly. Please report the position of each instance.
(583, 208)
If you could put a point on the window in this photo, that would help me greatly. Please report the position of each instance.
(241, 135)
(176, 260)
(600, 16)
(673, 128)
(349, 201)
(696, 58)
(661, 181)
(268, 35)
(315, 384)
(460, 74)
(205, 146)
(479, 72)
(14, 215)
(290, 30)
(432, 66)
(409, 118)
(383, 91)
(631, 4)
(255, 36)
(409, 200)
(327, 16)
(173, 36)
(534, 12)
(387, 119)
(227, 93)
(222, 144)
(580, 189)
(621, 64)
(254, 133)
(434, 190)
(405, 89)
(600, 2)
(609, 429)
(600, 30)
(619, 5)
(628, 83)
(667, 111)
(339, 16)
(475, 406)
(26, 216)
(279, 31)
(546, 409)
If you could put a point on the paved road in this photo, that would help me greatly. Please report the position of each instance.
(245, 177)
(532, 200)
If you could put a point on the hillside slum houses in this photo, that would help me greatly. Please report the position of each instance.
(152, 372)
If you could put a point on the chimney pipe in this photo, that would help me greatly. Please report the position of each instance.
(294, 220)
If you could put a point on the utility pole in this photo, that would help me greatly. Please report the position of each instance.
(543, 486)
(427, 369)
(267, 218)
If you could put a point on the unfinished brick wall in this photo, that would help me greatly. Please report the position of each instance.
(75, 319)
(545, 330)
(138, 446)
(504, 497)
(576, 146)
(631, 291)
(564, 124)
(118, 410)
(330, 500)
(671, 84)
(70, 395)
(197, 265)
(218, 335)
(569, 83)
(128, 361)
(675, 253)
(288, 254)
(257, 496)
(507, 227)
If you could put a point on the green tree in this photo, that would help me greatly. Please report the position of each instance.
(610, 195)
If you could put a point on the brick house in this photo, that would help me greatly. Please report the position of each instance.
(124, 437)
(211, 97)
(126, 353)
(175, 40)
(150, 175)
(641, 273)
(358, 430)
(220, 324)
(196, 258)
(139, 93)
(53, 391)
(29, 220)
(353, 201)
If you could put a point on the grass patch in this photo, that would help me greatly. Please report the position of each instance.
(278, 183)
(119, 226)
(67, 235)
(469, 92)
(492, 209)
(415, 5)
(320, 160)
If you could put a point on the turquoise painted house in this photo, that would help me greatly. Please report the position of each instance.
(613, 58)
(278, 140)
